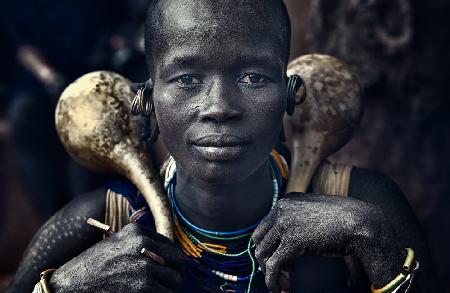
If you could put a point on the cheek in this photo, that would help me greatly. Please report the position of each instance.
(268, 112)
(170, 121)
(174, 115)
(165, 117)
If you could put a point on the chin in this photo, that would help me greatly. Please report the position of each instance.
(221, 172)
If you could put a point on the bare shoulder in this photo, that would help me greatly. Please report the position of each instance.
(370, 182)
(62, 237)
(377, 188)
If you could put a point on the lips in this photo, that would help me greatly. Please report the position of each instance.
(219, 140)
(219, 147)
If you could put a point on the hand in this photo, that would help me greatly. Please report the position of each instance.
(322, 225)
(116, 265)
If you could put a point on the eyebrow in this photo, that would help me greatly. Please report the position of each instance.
(179, 62)
(185, 61)
(262, 60)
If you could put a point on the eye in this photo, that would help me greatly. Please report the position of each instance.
(252, 79)
(188, 80)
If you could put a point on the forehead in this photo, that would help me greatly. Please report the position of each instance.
(231, 29)
(212, 15)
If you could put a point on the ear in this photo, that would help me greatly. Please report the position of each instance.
(295, 83)
(152, 124)
(150, 131)
(143, 104)
(148, 89)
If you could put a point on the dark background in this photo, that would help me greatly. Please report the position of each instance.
(405, 131)
(399, 48)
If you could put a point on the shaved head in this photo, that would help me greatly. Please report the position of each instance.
(174, 21)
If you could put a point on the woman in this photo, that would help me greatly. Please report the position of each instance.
(218, 71)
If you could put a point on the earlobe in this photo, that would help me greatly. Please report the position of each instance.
(142, 102)
(294, 84)
(150, 131)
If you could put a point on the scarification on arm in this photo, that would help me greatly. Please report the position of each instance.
(61, 238)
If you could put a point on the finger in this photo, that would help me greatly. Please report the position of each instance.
(172, 255)
(273, 268)
(264, 226)
(168, 277)
(162, 246)
(267, 247)
(156, 236)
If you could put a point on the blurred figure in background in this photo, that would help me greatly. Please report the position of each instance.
(55, 42)
(46, 44)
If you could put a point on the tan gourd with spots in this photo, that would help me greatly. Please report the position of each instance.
(95, 125)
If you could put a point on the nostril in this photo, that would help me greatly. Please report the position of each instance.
(219, 116)
(208, 119)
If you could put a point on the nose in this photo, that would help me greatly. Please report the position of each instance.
(221, 103)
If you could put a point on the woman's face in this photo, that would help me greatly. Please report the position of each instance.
(219, 92)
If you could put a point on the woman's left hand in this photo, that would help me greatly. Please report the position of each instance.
(323, 225)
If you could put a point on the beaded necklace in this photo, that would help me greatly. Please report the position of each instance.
(235, 265)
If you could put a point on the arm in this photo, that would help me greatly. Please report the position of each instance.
(323, 225)
(62, 237)
(381, 191)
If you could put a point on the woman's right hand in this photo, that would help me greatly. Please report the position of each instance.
(116, 265)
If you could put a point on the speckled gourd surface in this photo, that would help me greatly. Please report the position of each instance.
(326, 120)
(94, 123)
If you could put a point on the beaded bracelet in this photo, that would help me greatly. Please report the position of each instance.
(403, 277)
(42, 285)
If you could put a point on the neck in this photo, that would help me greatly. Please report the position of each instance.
(225, 207)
